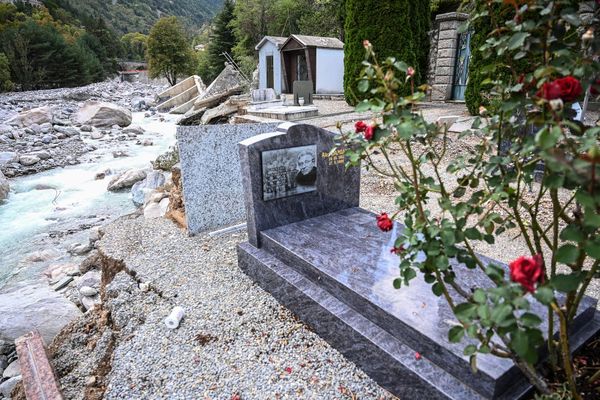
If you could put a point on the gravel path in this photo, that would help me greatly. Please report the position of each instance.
(235, 338)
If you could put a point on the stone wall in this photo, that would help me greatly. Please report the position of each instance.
(442, 55)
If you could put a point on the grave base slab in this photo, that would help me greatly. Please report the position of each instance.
(329, 271)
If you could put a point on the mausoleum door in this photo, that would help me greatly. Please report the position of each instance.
(461, 67)
(270, 76)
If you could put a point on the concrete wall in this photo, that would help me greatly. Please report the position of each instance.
(330, 71)
(269, 49)
(442, 57)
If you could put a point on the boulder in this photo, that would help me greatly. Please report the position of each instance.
(28, 160)
(156, 210)
(88, 291)
(7, 386)
(8, 157)
(34, 306)
(167, 160)
(96, 134)
(102, 114)
(67, 130)
(4, 187)
(134, 129)
(90, 279)
(152, 181)
(40, 115)
(126, 179)
(13, 369)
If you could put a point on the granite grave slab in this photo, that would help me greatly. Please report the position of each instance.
(211, 175)
(324, 258)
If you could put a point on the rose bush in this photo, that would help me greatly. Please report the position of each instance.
(530, 160)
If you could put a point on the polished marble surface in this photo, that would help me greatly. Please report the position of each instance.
(338, 188)
(350, 257)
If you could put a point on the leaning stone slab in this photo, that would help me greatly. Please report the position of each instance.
(212, 182)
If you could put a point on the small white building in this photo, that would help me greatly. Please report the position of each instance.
(269, 63)
(301, 58)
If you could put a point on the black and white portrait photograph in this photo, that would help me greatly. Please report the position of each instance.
(290, 171)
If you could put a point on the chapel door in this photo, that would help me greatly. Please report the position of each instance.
(270, 73)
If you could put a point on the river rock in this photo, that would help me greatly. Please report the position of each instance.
(86, 128)
(152, 181)
(134, 129)
(88, 291)
(156, 210)
(40, 115)
(167, 160)
(42, 154)
(90, 302)
(96, 134)
(102, 114)
(13, 369)
(67, 130)
(34, 306)
(91, 279)
(47, 139)
(8, 157)
(28, 160)
(79, 249)
(7, 386)
(126, 179)
(4, 187)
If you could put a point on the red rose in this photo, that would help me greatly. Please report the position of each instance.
(384, 222)
(570, 88)
(527, 271)
(397, 250)
(549, 91)
(360, 126)
(369, 132)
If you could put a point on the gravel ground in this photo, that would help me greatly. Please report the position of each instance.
(235, 338)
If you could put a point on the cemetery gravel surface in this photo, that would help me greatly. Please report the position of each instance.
(235, 339)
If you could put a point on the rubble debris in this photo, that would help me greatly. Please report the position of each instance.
(181, 97)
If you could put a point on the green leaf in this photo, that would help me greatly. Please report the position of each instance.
(501, 313)
(479, 296)
(530, 320)
(566, 283)
(437, 289)
(465, 311)
(517, 40)
(473, 234)
(470, 350)
(397, 283)
(483, 311)
(363, 85)
(567, 254)
(455, 334)
(544, 295)
(363, 106)
(593, 249)
(572, 233)
(520, 343)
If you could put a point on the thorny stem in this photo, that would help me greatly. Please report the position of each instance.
(565, 351)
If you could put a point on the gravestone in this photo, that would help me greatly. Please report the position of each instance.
(261, 95)
(324, 258)
(303, 89)
(211, 176)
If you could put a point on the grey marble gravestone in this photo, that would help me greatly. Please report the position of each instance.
(211, 176)
(324, 258)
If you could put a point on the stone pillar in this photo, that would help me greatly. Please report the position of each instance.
(443, 58)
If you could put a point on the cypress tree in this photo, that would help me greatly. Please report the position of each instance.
(222, 40)
(394, 28)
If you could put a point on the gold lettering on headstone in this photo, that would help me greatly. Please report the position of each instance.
(335, 157)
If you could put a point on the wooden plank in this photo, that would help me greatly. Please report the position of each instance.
(39, 378)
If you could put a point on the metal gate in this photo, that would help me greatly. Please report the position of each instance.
(461, 66)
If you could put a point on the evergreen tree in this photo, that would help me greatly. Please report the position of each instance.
(394, 28)
(222, 40)
(168, 52)
(5, 82)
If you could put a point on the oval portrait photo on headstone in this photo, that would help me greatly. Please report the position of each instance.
(290, 171)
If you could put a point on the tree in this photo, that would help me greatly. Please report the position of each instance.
(134, 46)
(222, 40)
(168, 52)
(5, 82)
(398, 30)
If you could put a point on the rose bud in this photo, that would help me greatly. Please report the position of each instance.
(556, 104)
(384, 222)
(482, 111)
(366, 44)
(397, 250)
(410, 72)
(369, 132)
(360, 126)
(527, 271)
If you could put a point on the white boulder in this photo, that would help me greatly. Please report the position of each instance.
(34, 306)
(40, 115)
(102, 114)
(4, 187)
(126, 179)
(153, 180)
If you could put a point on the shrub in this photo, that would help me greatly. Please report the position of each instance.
(490, 189)
(6, 84)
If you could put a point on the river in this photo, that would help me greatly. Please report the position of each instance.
(63, 199)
